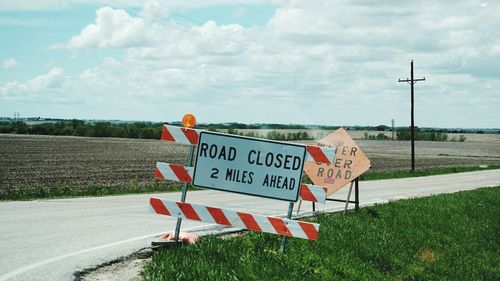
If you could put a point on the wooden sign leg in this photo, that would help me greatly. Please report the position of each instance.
(348, 197)
(356, 195)
(298, 207)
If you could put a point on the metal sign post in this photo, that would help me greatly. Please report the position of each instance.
(184, 193)
(289, 216)
(348, 199)
(188, 121)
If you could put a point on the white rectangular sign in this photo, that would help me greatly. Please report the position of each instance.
(250, 166)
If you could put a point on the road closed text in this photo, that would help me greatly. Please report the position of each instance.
(253, 157)
(250, 166)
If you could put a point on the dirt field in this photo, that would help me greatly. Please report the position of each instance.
(396, 155)
(29, 161)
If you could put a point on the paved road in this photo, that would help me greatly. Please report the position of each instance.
(51, 239)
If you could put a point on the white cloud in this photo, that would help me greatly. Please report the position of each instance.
(322, 62)
(115, 28)
(51, 80)
(112, 28)
(10, 63)
(39, 88)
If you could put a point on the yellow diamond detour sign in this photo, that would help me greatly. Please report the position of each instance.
(350, 162)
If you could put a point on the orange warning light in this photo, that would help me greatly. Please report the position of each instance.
(188, 120)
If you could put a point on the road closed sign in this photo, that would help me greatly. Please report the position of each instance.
(249, 166)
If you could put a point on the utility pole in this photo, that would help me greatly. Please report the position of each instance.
(392, 122)
(412, 82)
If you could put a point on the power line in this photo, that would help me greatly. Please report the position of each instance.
(178, 25)
(278, 50)
(289, 23)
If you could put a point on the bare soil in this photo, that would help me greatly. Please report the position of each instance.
(396, 155)
(28, 161)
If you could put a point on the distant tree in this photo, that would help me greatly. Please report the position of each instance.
(232, 131)
(75, 123)
(403, 134)
(304, 136)
(19, 127)
(80, 130)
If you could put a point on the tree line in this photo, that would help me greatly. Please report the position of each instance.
(405, 135)
(138, 130)
(272, 135)
(152, 130)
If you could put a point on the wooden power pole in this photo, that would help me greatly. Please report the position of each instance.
(412, 82)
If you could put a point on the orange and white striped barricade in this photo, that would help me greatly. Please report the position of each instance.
(319, 154)
(166, 171)
(312, 193)
(179, 135)
(244, 165)
(268, 224)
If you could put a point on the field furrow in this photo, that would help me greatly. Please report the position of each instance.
(29, 161)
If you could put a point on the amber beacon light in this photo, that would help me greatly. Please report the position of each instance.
(188, 120)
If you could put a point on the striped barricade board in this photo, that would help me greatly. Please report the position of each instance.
(251, 166)
(166, 171)
(275, 225)
(319, 154)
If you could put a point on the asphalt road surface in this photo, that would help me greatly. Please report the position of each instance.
(52, 239)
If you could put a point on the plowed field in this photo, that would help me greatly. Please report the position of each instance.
(28, 161)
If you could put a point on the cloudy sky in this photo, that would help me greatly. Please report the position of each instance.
(307, 62)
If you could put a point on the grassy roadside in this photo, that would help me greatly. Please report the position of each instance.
(69, 190)
(444, 237)
(424, 172)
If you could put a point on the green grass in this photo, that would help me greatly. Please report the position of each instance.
(68, 190)
(424, 172)
(444, 237)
